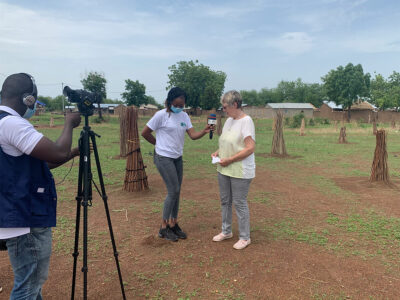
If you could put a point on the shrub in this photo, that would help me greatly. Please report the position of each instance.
(296, 122)
(311, 122)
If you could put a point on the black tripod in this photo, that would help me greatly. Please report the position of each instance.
(84, 198)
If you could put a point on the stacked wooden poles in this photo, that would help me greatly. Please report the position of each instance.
(379, 169)
(342, 135)
(278, 142)
(122, 131)
(135, 176)
(374, 128)
(302, 127)
(219, 124)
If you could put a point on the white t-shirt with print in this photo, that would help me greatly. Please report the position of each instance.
(231, 142)
(170, 131)
(17, 137)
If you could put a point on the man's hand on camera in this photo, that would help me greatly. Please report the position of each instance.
(73, 118)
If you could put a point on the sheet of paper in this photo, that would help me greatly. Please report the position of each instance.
(215, 160)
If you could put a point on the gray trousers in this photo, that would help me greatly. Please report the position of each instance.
(171, 171)
(234, 190)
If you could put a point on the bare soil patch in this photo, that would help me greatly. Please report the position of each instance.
(197, 268)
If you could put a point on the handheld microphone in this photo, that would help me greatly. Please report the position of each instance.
(212, 120)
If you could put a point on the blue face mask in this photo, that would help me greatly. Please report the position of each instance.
(176, 110)
(29, 112)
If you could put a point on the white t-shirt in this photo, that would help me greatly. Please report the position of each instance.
(170, 131)
(17, 137)
(231, 142)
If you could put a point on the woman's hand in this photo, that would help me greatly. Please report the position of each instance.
(225, 162)
(215, 154)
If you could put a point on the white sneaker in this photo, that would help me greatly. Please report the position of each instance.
(220, 237)
(241, 244)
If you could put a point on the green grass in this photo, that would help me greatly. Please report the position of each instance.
(356, 229)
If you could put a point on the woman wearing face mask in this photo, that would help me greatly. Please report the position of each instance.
(170, 125)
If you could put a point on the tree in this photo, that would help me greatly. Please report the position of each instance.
(96, 83)
(151, 100)
(394, 88)
(380, 93)
(202, 85)
(135, 93)
(250, 97)
(52, 104)
(345, 85)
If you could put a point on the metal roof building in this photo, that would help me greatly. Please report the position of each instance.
(291, 109)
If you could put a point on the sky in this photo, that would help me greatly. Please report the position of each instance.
(256, 43)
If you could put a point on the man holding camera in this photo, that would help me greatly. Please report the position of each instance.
(28, 197)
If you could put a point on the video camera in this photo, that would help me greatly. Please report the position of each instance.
(84, 100)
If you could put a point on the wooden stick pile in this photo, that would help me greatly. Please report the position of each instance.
(123, 125)
(302, 127)
(379, 169)
(374, 129)
(342, 135)
(278, 142)
(219, 124)
(135, 176)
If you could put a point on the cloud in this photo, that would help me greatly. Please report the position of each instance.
(377, 42)
(55, 34)
(292, 43)
(329, 14)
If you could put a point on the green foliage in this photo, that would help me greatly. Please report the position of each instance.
(311, 122)
(52, 104)
(151, 100)
(135, 93)
(96, 83)
(345, 85)
(323, 121)
(385, 93)
(202, 85)
(287, 91)
(296, 120)
(287, 121)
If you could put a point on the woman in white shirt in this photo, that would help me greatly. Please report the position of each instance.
(236, 168)
(170, 125)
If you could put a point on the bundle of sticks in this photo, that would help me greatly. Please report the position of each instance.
(122, 130)
(135, 176)
(278, 142)
(379, 169)
(342, 135)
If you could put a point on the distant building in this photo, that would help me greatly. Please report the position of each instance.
(290, 109)
(148, 106)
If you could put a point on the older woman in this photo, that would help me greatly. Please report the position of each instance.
(236, 168)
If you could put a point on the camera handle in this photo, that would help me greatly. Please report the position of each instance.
(84, 199)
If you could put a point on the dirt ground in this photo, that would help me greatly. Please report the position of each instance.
(197, 268)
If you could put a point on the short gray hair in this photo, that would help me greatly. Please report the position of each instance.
(231, 97)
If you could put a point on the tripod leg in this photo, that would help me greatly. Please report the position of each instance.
(105, 198)
(77, 222)
(87, 196)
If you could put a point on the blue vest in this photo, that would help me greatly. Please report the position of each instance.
(27, 191)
